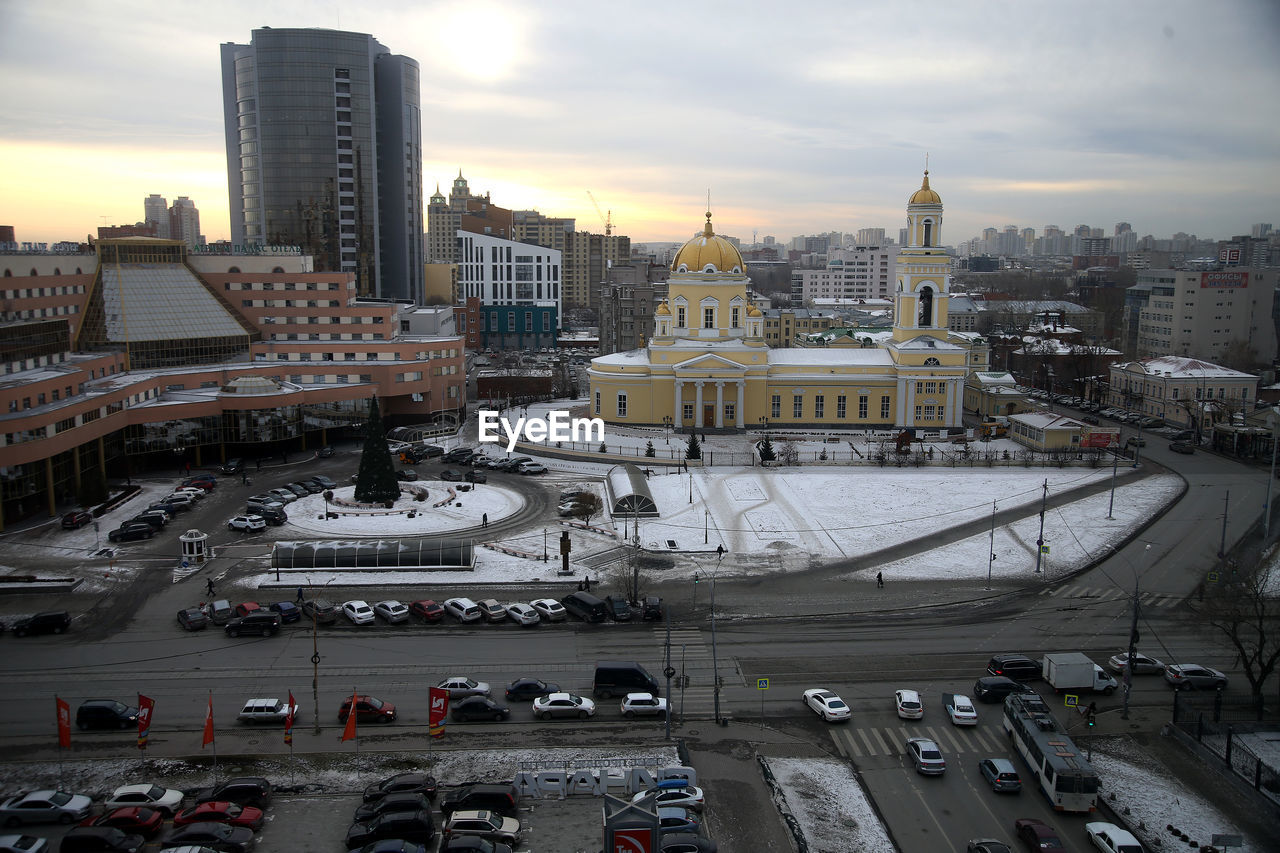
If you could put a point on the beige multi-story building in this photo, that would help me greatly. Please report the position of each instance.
(627, 303)
(587, 258)
(1184, 392)
(1222, 316)
(550, 232)
(782, 325)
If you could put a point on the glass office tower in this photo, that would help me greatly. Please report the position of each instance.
(324, 151)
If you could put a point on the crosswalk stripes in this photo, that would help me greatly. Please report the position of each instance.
(865, 742)
(1100, 595)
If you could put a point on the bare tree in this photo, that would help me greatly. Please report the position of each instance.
(587, 507)
(787, 453)
(1246, 612)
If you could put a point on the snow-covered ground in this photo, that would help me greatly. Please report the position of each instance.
(828, 805)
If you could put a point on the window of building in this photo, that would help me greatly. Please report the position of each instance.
(919, 413)
(797, 405)
(688, 411)
(680, 317)
(884, 408)
(597, 401)
(708, 318)
(776, 406)
(734, 313)
(819, 405)
(730, 413)
(622, 405)
(862, 406)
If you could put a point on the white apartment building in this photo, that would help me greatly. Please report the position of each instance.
(850, 274)
(504, 272)
(1207, 314)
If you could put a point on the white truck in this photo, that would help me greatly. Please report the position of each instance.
(1075, 671)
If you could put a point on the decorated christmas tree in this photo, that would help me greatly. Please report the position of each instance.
(376, 479)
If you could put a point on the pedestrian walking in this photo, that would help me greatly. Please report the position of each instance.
(300, 598)
(259, 461)
(880, 580)
(244, 479)
(208, 585)
(587, 582)
(484, 519)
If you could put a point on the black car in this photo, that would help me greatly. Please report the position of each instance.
(392, 803)
(1176, 447)
(458, 456)
(131, 531)
(686, 842)
(273, 515)
(619, 609)
(994, 688)
(526, 689)
(193, 619)
(233, 466)
(474, 476)
(49, 622)
(407, 474)
(1017, 667)
(408, 826)
(77, 519)
(324, 452)
(105, 714)
(155, 518)
(324, 482)
(500, 799)
(100, 839)
(478, 708)
(243, 790)
(262, 622)
(419, 783)
(652, 608)
(287, 611)
(425, 451)
(220, 836)
(474, 844)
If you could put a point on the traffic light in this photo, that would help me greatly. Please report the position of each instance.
(695, 577)
(1090, 715)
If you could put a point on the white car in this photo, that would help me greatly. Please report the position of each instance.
(1110, 838)
(155, 797)
(643, 704)
(23, 844)
(283, 495)
(1142, 665)
(523, 614)
(827, 705)
(392, 611)
(194, 492)
(961, 711)
(669, 794)
(359, 612)
(460, 687)
(908, 704)
(550, 609)
(531, 468)
(563, 705)
(463, 609)
(44, 807)
(181, 501)
(247, 523)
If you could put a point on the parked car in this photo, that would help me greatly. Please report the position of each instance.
(427, 610)
(463, 609)
(324, 452)
(131, 531)
(287, 611)
(643, 705)
(44, 806)
(164, 800)
(686, 842)
(369, 709)
(391, 611)
(285, 496)
(451, 475)
(674, 793)
(987, 845)
(1110, 838)
(1187, 676)
(105, 714)
(619, 609)
(193, 619)
(1000, 774)
(47, 622)
(233, 466)
(76, 520)
(522, 614)
(266, 711)
(549, 609)
(826, 704)
(563, 705)
(498, 798)
(460, 686)
(416, 826)
(218, 836)
(492, 610)
(458, 456)
(926, 756)
(221, 811)
(154, 517)
(675, 819)
(246, 790)
(263, 622)
(100, 839)
(1182, 447)
(525, 689)
(324, 482)
(30, 844)
(247, 523)
(244, 608)
(485, 824)
(308, 487)
(652, 608)
(1142, 665)
(408, 475)
(1037, 834)
(474, 476)
(478, 708)
(419, 783)
(531, 468)
(358, 612)
(320, 610)
(183, 501)
(408, 801)
(908, 704)
(133, 820)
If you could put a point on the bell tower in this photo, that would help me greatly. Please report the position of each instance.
(920, 298)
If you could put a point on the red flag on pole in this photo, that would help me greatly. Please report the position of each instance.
(64, 723)
(438, 698)
(145, 706)
(208, 724)
(350, 731)
(288, 721)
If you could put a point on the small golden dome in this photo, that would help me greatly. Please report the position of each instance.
(663, 310)
(753, 311)
(708, 253)
(924, 195)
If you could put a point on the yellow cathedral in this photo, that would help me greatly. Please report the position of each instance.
(708, 368)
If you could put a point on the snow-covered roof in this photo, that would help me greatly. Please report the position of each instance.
(1046, 421)
(628, 358)
(993, 377)
(1180, 367)
(927, 342)
(834, 356)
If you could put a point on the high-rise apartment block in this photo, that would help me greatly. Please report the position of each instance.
(1223, 315)
(324, 151)
(156, 213)
(856, 274)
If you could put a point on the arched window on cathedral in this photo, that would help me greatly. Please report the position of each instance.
(928, 233)
(926, 307)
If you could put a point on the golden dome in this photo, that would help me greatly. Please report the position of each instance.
(924, 195)
(663, 310)
(708, 253)
(753, 311)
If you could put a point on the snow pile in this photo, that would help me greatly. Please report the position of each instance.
(829, 806)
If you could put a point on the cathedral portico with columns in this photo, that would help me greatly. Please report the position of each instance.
(708, 367)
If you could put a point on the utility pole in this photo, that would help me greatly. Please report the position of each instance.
(992, 546)
(1115, 464)
(715, 661)
(1226, 504)
(668, 671)
(1044, 499)
(1133, 649)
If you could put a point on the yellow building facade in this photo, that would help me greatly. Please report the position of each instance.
(708, 366)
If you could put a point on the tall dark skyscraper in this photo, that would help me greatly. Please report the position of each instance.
(324, 151)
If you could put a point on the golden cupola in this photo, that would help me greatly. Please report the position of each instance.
(925, 195)
(709, 253)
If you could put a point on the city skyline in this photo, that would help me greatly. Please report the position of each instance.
(799, 122)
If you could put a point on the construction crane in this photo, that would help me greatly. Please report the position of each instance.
(606, 219)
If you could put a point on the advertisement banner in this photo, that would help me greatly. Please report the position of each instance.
(145, 706)
(1100, 438)
(288, 721)
(1224, 279)
(439, 701)
(208, 724)
(350, 731)
(64, 722)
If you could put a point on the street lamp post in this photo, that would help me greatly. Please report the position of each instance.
(544, 544)
(715, 665)
(992, 551)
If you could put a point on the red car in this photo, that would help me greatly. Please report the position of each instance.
(131, 819)
(1037, 834)
(428, 610)
(369, 709)
(247, 608)
(221, 811)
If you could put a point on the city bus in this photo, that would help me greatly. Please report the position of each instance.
(1066, 779)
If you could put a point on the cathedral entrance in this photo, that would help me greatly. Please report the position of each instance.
(709, 416)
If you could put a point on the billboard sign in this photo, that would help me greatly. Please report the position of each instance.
(1224, 279)
(1100, 438)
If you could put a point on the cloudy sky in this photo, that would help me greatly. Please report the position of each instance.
(798, 117)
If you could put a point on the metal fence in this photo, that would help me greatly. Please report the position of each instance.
(1216, 725)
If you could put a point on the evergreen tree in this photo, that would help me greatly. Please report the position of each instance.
(649, 451)
(376, 479)
(766, 450)
(693, 450)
